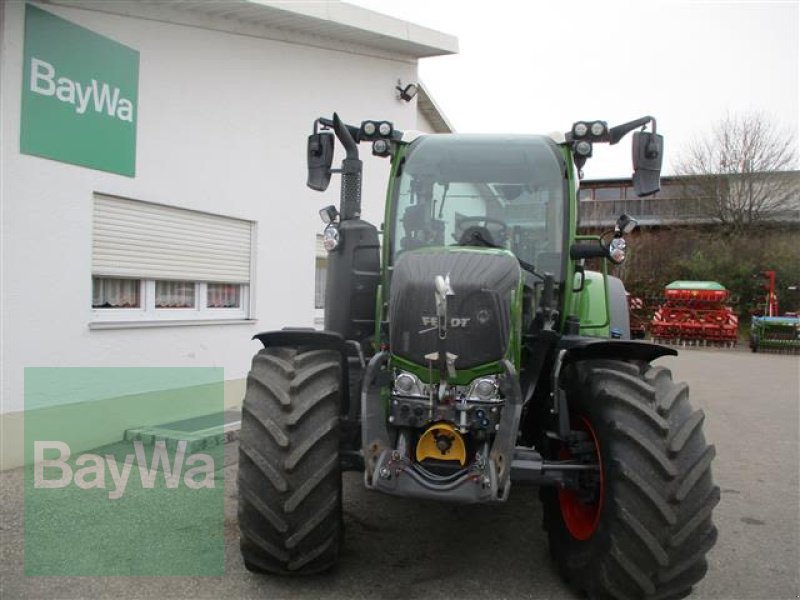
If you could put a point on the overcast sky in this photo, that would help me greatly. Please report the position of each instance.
(536, 67)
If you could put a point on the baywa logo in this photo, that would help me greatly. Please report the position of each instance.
(99, 96)
(93, 467)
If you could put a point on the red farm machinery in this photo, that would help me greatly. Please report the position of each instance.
(694, 313)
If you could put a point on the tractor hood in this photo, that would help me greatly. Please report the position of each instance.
(480, 287)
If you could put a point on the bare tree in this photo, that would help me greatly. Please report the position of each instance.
(741, 174)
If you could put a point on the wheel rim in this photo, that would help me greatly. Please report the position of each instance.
(581, 517)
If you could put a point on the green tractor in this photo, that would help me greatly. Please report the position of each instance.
(470, 349)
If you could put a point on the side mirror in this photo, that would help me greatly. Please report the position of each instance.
(319, 157)
(648, 152)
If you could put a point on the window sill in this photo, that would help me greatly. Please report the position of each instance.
(166, 323)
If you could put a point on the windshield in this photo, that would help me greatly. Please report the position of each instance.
(492, 191)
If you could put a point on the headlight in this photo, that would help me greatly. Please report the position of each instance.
(330, 238)
(407, 384)
(616, 250)
(484, 389)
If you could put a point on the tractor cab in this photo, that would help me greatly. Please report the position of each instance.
(503, 192)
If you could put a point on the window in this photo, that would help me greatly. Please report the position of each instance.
(152, 262)
(116, 293)
(223, 295)
(136, 299)
(175, 294)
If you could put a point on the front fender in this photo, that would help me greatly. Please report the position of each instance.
(580, 348)
(294, 337)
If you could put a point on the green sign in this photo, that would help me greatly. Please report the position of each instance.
(125, 478)
(79, 95)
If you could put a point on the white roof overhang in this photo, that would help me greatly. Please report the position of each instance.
(321, 23)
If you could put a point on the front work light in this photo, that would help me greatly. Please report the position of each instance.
(328, 214)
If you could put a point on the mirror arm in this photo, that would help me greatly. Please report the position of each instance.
(328, 124)
(347, 134)
(615, 134)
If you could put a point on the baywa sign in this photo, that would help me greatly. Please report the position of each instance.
(92, 473)
(79, 95)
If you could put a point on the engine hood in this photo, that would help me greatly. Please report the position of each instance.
(478, 311)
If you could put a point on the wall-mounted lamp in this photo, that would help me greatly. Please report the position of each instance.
(406, 93)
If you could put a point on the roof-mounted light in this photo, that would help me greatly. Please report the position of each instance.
(583, 148)
(580, 129)
(599, 129)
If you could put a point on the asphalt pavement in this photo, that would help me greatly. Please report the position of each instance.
(398, 548)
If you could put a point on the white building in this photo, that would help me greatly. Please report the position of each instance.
(152, 174)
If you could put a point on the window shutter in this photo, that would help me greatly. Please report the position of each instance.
(153, 241)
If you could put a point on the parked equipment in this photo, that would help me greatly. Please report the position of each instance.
(694, 313)
(472, 351)
(770, 331)
(638, 317)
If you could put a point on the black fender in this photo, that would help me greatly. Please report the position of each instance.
(299, 336)
(580, 348)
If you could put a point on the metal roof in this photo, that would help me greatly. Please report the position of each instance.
(312, 22)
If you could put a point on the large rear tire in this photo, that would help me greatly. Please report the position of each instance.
(642, 527)
(290, 486)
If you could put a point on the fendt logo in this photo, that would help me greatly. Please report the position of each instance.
(101, 97)
(453, 321)
(92, 471)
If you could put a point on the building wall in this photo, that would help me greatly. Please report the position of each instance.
(222, 126)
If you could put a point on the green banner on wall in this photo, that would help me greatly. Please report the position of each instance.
(79, 95)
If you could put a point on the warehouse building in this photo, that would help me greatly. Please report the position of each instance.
(154, 208)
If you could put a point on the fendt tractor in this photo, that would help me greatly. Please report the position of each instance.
(472, 350)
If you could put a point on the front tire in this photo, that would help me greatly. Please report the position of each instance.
(290, 485)
(642, 528)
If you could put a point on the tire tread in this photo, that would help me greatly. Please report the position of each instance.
(655, 528)
(290, 490)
